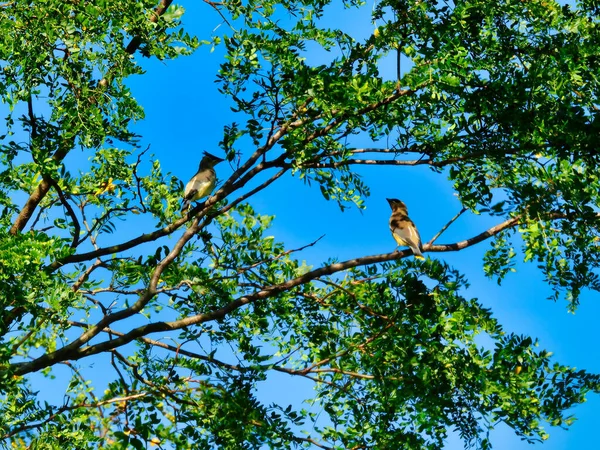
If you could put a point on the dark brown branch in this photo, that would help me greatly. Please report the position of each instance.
(63, 353)
(74, 350)
(36, 197)
(239, 178)
(403, 162)
(70, 211)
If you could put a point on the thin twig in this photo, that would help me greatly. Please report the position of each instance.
(70, 211)
(137, 179)
(445, 227)
(85, 275)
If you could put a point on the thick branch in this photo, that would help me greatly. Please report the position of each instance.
(36, 197)
(64, 353)
(75, 350)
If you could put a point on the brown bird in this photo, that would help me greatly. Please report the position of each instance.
(203, 183)
(403, 229)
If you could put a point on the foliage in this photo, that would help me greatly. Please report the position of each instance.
(500, 97)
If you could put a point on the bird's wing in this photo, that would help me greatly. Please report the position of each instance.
(406, 232)
(200, 185)
(190, 190)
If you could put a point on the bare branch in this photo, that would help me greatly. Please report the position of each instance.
(403, 162)
(85, 275)
(70, 211)
(445, 227)
(74, 350)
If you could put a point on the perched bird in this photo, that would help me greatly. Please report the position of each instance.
(403, 229)
(203, 183)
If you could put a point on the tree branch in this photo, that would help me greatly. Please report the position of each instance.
(202, 207)
(402, 162)
(66, 408)
(146, 237)
(74, 350)
(445, 227)
(70, 211)
(85, 275)
(63, 353)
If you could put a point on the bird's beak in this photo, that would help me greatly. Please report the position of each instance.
(216, 159)
(389, 200)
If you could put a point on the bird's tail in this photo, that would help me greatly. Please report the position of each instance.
(417, 252)
(186, 205)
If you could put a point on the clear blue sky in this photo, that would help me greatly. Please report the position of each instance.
(185, 115)
(182, 95)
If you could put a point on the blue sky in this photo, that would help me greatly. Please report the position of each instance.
(182, 94)
(185, 115)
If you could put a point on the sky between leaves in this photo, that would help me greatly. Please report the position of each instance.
(186, 115)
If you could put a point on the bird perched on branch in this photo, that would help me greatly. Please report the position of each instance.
(403, 229)
(203, 183)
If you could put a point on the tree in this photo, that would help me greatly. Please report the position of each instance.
(501, 98)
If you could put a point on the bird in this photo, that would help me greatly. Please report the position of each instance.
(403, 229)
(203, 183)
